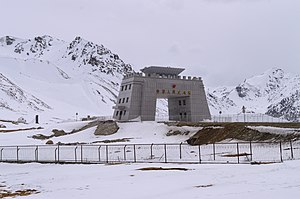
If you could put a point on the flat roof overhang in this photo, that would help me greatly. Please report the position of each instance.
(162, 70)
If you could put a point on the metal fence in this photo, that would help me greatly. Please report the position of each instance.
(247, 117)
(154, 153)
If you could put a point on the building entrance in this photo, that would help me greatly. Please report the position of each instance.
(140, 91)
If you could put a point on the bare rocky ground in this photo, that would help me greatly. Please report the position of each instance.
(210, 132)
(5, 192)
(103, 128)
(218, 132)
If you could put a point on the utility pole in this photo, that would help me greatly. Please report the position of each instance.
(244, 112)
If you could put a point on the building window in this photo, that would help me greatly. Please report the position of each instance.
(129, 86)
(117, 113)
(179, 103)
(185, 115)
(120, 101)
(127, 99)
(125, 112)
(183, 102)
(123, 100)
(122, 88)
(125, 87)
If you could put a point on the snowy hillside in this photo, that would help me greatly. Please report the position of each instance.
(54, 78)
(273, 92)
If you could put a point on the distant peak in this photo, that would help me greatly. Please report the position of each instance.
(8, 40)
(274, 71)
(79, 39)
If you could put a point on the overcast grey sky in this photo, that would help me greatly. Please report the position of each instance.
(224, 41)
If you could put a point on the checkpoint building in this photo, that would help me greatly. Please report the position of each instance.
(140, 91)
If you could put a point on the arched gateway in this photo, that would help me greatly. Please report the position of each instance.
(139, 92)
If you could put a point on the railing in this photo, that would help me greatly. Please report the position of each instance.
(236, 153)
(248, 117)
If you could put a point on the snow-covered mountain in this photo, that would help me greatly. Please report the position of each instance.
(54, 78)
(274, 92)
(51, 77)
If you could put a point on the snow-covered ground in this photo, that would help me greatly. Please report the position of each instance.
(127, 182)
(136, 132)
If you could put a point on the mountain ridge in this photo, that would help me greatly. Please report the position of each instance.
(85, 77)
(78, 76)
(260, 94)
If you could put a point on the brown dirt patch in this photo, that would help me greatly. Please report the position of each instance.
(258, 163)
(204, 186)
(25, 192)
(113, 141)
(109, 127)
(238, 131)
(177, 132)
(162, 169)
(236, 155)
(106, 128)
(16, 130)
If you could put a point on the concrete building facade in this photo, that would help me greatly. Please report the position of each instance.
(140, 91)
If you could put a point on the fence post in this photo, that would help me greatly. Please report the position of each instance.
(1, 152)
(199, 150)
(58, 153)
(106, 148)
(37, 153)
(81, 153)
(214, 151)
(280, 147)
(151, 151)
(238, 152)
(165, 147)
(292, 153)
(180, 154)
(251, 152)
(125, 152)
(76, 153)
(55, 156)
(99, 153)
(134, 153)
(17, 154)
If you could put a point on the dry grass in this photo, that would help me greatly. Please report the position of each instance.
(204, 186)
(13, 194)
(16, 130)
(239, 131)
(236, 155)
(113, 141)
(162, 169)
(258, 163)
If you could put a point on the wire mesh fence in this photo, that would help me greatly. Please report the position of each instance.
(240, 117)
(236, 153)
(250, 117)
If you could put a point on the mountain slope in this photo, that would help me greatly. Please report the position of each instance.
(83, 77)
(13, 98)
(79, 76)
(274, 92)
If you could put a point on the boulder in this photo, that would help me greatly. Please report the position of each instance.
(49, 142)
(106, 128)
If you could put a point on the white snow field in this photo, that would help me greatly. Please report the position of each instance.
(137, 132)
(125, 181)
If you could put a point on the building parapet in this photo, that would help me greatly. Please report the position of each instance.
(137, 74)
